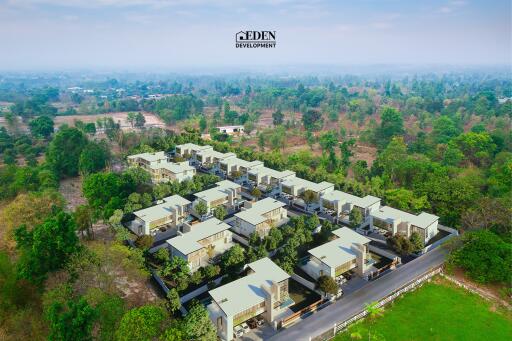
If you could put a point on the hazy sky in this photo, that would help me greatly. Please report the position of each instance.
(177, 34)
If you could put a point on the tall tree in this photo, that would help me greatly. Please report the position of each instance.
(73, 321)
(41, 126)
(64, 151)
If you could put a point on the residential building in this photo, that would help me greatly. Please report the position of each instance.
(235, 164)
(260, 217)
(226, 193)
(231, 130)
(349, 251)
(396, 221)
(160, 169)
(202, 243)
(264, 290)
(337, 205)
(292, 190)
(267, 180)
(189, 150)
(209, 159)
(171, 213)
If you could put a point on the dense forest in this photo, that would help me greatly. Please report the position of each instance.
(442, 144)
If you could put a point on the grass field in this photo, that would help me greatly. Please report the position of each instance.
(436, 311)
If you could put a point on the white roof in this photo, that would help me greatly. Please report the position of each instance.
(150, 157)
(161, 210)
(339, 251)
(272, 172)
(193, 146)
(423, 220)
(216, 154)
(247, 291)
(254, 215)
(305, 184)
(230, 127)
(217, 192)
(242, 163)
(346, 197)
(189, 242)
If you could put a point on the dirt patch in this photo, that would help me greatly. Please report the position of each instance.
(71, 190)
(121, 117)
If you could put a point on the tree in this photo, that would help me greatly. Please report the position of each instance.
(444, 129)
(309, 197)
(346, 152)
(400, 244)
(327, 285)
(64, 151)
(256, 193)
(41, 127)
(176, 269)
(197, 324)
(261, 142)
(233, 259)
(173, 300)
(83, 218)
(484, 256)
(277, 117)
(130, 117)
(141, 324)
(144, 242)
(220, 212)
(355, 217)
(312, 119)
(203, 124)
(404, 199)
(47, 247)
(373, 311)
(94, 158)
(73, 321)
(416, 242)
(140, 120)
(392, 124)
(201, 209)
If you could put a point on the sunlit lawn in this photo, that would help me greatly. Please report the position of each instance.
(439, 311)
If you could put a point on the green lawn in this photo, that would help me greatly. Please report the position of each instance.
(437, 312)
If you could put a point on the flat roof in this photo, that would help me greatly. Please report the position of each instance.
(189, 242)
(387, 213)
(217, 192)
(301, 183)
(150, 157)
(247, 291)
(161, 210)
(254, 215)
(194, 146)
(272, 172)
(216, 154)
(339, 251)
(242, 162)
(346, 197)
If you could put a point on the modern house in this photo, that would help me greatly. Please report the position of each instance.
(209, 159)
(260, 217)
(227, 167)
(267, 180)
(189, 150)
(160, 169)
(202, 243)
(337, 205)
(396, 221)
(349, 251)
(226, 193)
(263, 291)
(231, 130)
(171, 213)
(292, 189)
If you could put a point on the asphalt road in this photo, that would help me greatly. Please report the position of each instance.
(348, 306)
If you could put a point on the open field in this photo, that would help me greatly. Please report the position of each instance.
(151, 119)
(437, 311)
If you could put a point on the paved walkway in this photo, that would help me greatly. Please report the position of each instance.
(355, 302)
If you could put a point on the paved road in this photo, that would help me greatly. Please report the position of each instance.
(354, 303)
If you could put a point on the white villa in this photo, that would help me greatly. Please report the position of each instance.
(231, 130)
(293, 188)
(209, 159)
(160, 169)
(189, 151)
(338, 205)
(231, 165)
(172, 213)
(226, 193)
(347, 252)
(260, 217)
(203, 242)
(396, 221)
(267, 179)
(262, 291)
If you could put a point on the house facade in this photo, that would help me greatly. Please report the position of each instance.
(160, 169)
(202, 243)
(262, 291)
(396, 221)
(349, 251)
(226, 193)
(337, 205)
(229, 166)
(260, 217)
(293, 189)
(267, 180)
(171, 213)
(208, 160)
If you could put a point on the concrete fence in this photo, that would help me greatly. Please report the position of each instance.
(198, 291)
(452, 233)
(342, 325)
(304, 282)
(384, 253)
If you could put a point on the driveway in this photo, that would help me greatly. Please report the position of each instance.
(352, 304)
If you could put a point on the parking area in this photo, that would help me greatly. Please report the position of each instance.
(263, 332)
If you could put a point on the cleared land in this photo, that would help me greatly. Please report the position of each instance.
(121, 117)
(437, 311)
